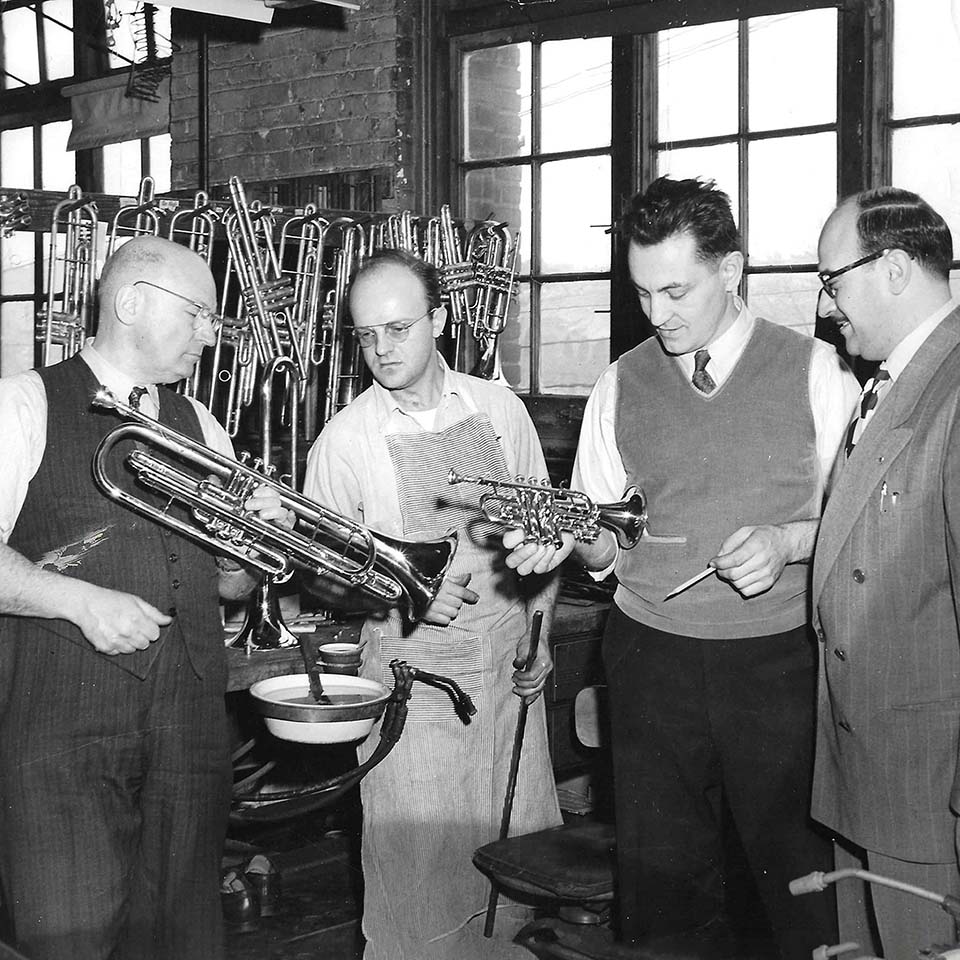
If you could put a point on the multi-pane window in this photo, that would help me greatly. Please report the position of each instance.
(923, 121)
(736, 101)
(535, 152)
(37, 58)
(765, 128)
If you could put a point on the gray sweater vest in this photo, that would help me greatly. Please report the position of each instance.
(744, 454)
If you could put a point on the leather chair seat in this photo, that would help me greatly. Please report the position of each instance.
(572, 863)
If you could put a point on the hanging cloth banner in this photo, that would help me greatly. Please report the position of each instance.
(102, 113)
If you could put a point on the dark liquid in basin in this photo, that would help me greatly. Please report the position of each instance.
(329, 699)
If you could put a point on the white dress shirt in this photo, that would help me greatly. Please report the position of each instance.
(23, 428)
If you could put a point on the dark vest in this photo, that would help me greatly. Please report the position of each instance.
(69, 527)
(745, 454)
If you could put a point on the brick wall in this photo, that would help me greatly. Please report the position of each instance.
(321, 90)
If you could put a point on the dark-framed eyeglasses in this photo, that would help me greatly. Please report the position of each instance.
(396, 331)
(202, 313)
(827, 277)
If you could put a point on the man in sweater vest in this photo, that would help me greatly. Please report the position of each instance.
(730, 424)
(114, 753)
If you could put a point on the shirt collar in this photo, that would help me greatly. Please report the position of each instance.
(115, 380)
(726, 349)
(904, 351)
(387, 407)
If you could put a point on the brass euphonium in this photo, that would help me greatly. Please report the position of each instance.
(214, 488)
(544, 512)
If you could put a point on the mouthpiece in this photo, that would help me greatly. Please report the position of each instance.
(454, 477)
(811, 883)
(105, 398)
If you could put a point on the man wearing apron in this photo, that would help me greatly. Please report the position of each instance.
(384, 461)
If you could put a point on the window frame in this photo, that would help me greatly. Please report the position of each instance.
(634, 146)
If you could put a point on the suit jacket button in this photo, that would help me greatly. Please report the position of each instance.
(839, 654)
(845, 726)
(858, 576)
(175, 584)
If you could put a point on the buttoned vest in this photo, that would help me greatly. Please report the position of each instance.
(69, 527)
(709, 464)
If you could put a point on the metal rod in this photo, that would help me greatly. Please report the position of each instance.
(514, 768)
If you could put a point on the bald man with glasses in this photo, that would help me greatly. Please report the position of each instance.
(114, 747)
(384, 460)
(885, 592)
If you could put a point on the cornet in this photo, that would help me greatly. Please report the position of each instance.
(398, 572)
(544, 512)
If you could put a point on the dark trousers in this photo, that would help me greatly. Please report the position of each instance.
(114, 794)
(694, 722)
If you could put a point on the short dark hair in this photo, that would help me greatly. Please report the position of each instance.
(425, 272)
(892, 218)
(696, 207)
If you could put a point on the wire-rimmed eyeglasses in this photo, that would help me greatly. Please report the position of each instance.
(395, 331)
(203, 313)
(827, 277)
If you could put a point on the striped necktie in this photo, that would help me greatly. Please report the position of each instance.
(701, 379)
(869, 400)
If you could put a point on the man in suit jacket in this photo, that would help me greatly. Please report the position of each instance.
(886, 596)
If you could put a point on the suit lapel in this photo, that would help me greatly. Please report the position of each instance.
(884, 438)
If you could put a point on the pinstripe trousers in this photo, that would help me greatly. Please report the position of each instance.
(114, 794)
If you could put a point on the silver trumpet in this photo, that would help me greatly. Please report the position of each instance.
(215, 488)
(544, 512)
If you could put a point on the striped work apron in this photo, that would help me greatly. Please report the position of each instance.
(439, 794)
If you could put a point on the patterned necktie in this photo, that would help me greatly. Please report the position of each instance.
(136, 394)
(871, 396)
(701, 379)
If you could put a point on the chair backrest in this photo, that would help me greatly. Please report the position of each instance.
(590, 715)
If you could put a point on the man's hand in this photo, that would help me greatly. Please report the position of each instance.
(265, 502)
(116, 622)
(751, 559)
(452, 595)
(529, 684)
(527, 558)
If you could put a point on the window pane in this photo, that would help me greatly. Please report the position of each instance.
(927, 161)
(514, 345)
(16, 337)
(690, 104)
(160, 162)
(789, 299)
(496, 111)
(16, 157)
(121, 168)
(59, 39)
(786, 212)
(59, 166)
(574, 335)
(783, 89)
(502, 193)
(20, 56)
(16, 261)
(955, 283)
(717, 163)
(926, 58)
(575, 94)
(573, 236)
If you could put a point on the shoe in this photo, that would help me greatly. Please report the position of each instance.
(241, 906)
(264, 877)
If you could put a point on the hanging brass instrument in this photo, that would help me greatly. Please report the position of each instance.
(495, 256)
(215, 488)
(67, 317)
(141, 219)
(544, 512)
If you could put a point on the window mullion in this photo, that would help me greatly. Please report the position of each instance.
(743, 131)
(536, 233)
